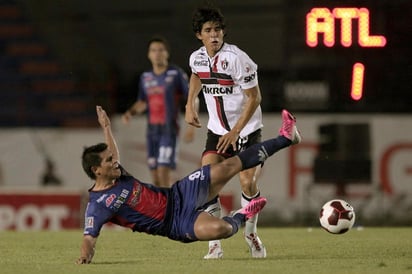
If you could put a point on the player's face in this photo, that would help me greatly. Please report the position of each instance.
(158, 54)
(108, 169)
(211, 36)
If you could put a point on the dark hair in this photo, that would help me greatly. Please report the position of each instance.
(159, 39)
(207, 14)
(91, 158)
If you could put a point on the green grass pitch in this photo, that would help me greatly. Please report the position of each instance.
(290, 250)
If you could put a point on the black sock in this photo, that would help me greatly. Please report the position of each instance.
(258, 153)
(236, 221)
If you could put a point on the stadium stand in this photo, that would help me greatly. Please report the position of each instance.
(35, 88)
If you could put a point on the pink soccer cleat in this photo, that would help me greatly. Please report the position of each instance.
(288, 128)
(253, 207)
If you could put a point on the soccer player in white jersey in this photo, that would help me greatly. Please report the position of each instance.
(227, 76)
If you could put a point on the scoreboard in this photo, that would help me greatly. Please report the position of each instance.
(321, 20)
(349, 56)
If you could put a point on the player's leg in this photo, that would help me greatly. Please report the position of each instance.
(155, 178)
(248, 182)
(208, 227)
(288, 135)
(214, 208)
(163, 175)
(152, 147)
(250, 190)
(253, 156)
(222, 172)
(215, 250)
(166, 159)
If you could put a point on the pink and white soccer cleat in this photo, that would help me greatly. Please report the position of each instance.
(215, 251)
(256, 247)
(288, 128)
(253, 207)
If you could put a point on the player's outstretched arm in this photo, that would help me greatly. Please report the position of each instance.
(192, 105)
(138, 107)
(87, 250)
(105, 124)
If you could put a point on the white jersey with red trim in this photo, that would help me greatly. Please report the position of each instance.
(224, 77)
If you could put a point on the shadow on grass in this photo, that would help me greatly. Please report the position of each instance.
(117, 262)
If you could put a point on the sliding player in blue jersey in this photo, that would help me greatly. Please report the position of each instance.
(176, 212)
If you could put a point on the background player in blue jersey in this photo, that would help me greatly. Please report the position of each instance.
(176, 212)
(161, 90)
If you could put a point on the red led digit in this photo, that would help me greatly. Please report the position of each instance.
(358, 72)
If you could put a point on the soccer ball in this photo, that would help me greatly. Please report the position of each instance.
(337, 216)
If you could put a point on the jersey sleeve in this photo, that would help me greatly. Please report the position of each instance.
(191, 62)
(94, 218)
(245, 71)
(183, 82)
(141, 94)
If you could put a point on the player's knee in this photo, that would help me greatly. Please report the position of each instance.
(230, 166)
(215, 230)
(223, 230)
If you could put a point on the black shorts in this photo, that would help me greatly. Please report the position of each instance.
(242, 143)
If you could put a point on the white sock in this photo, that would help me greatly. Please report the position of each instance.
(214, 243)
(214, 210)
(251, 224)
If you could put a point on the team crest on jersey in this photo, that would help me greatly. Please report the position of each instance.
(134, 197)
(224, 63)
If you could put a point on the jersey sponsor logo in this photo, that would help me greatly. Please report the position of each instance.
(217, 90)
(200, 63)
(110, 199)
(250, 77)
(89, 222)
(172, 72)
(150, 83)
(121, 199)
(169, 79)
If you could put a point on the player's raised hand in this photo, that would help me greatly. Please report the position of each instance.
(103, 119)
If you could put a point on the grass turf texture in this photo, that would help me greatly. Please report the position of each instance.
(290, 250)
